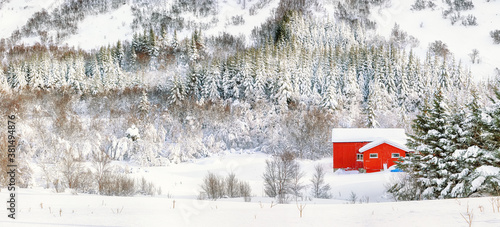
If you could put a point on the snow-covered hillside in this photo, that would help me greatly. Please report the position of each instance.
(234, 17)
(238, 18)
(428, 25)
(15, 13)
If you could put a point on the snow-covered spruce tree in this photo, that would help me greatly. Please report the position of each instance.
(449, 160)
(144, 105)
(211, 86)
(177, 91)
(466, 176)
(427, 166)
(491, 122)
(320, 189)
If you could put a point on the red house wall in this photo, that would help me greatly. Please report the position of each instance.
(344, 155)
(384, 152)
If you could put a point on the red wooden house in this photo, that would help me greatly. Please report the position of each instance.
(370, 149)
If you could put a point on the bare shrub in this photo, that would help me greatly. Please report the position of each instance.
(71, 168)
(4, 178)
(146, 188)
(474, 56)
(422, 4)
(213, 186)
(454, 18)
(118, 184)
(245, 191)
(469, 216)
(353, 198)
(438, 48)
(470, 20)
(58, 186)
(496, 36)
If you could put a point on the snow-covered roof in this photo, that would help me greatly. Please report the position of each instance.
(375, 143)
(344, 135)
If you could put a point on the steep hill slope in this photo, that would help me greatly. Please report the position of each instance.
(428, 25)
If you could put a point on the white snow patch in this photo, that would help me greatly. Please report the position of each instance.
(488, 170)
(133, 132)
(104, 29)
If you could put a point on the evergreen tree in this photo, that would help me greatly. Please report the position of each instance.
(283, 92)
(119, 54)
(16, 76)
(370, 114)
(330, 100)
(211, 85)
(36, 81)
(177, 91)
(492, 124)
(260, 80)
(248, 82)
(448, 158)
(432, 151)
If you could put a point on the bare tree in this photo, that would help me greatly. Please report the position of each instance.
(319, 188)
(70, 168)
(297, 185)
(231, 184)
(474, 56)
(279, 176)
(213, 186)
(101, 162)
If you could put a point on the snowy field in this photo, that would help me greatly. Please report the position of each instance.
(181, 183)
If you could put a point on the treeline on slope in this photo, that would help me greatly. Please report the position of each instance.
(333, 68)
(456, 151)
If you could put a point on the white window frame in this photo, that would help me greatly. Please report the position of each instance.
(374, 155)
(359, 157)
(395, 155)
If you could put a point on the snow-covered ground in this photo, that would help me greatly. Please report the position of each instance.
(15, 13)
(181, 183)
(429, 25)
(46, 209)
(104, 29)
